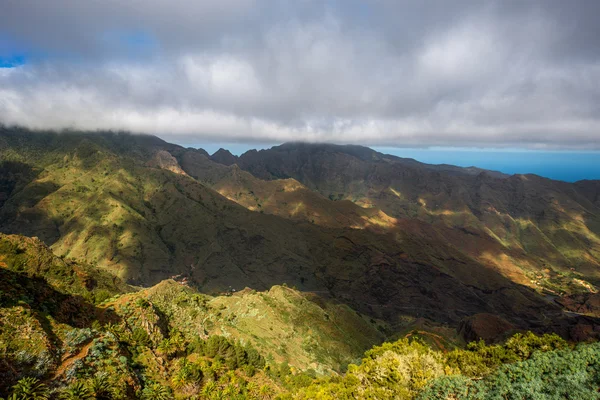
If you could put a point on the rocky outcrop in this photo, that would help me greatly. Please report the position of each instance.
(164, 160)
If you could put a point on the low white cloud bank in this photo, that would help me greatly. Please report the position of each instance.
(475, 76)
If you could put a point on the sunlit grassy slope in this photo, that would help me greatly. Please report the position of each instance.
(284, 324)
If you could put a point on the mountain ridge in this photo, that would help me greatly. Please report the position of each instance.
(406, 192)
(356, 150)
(95, 197)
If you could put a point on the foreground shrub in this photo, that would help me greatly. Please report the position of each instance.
(558, 374)
(391, 371)
(479, 359)
(30, 389)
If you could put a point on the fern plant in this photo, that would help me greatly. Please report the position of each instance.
(101, 387)
(77, 391)
(31, 389)
(156, 391)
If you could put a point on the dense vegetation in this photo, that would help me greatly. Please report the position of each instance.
(122, 365)
(67, 327)
(525, 365)
(560, 374)
(71, 331)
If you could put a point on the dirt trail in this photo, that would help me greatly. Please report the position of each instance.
(71, 359)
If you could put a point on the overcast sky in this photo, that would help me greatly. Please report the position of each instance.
(518, 74)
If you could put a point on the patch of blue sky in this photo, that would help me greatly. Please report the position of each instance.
(12, 54)
(12, 61)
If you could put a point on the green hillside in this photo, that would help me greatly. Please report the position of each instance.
(284, 324)
(62, 323)
(124, 204)
(62, 338)
(150, 271)
(543, 233)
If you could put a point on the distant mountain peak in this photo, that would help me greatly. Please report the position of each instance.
(361, 152)
(223, 156)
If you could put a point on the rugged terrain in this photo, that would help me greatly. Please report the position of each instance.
(253, 275)
(535, 220)
(391, 238)
(70, 331)
(52, 310)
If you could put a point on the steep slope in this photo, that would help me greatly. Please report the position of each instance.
(224, 157)
(554, 226)
(120, 202)
(285, 197)
(171, 342)
(283, 324)
(44, 301)
(56, 315)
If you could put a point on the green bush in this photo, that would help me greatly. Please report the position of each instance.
(480, 359)
(557, 374)
(30, 389)
(156, 391)
(77, 391)
(140, 337)
(390, 371)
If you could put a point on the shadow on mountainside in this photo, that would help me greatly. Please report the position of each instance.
(44, 304)
(13, 176)
(232, 248)
(45, 301)
(166, 224)
(19, 193)
(556, 222)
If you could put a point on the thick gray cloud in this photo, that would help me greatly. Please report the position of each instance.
(444, 73)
